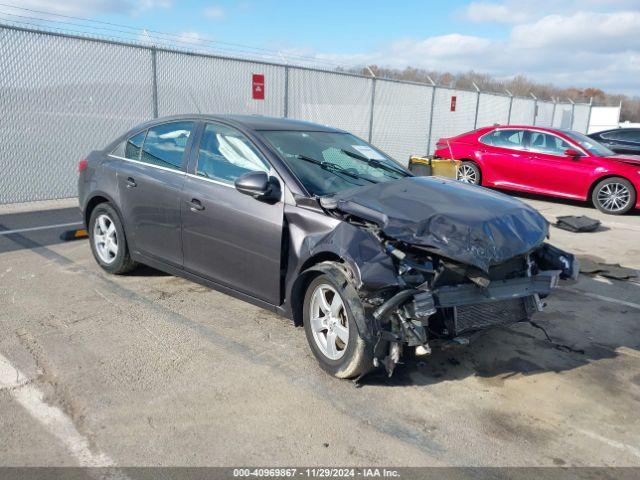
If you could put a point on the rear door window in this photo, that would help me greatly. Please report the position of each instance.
(165, 144)
(505, 138)
(131, 147)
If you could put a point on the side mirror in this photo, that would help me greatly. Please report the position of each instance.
(570, 152)
(259, 185)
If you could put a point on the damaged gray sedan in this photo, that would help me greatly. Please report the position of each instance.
(316, 224)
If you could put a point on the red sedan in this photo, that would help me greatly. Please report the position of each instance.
(546, 161)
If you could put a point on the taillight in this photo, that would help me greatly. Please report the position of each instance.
(441, 143)
(82, 165)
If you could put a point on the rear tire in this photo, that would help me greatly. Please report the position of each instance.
(470, 173)
(108, 241)
(614, 196)
(328, 324)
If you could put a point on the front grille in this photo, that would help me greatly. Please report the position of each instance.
(468, 318)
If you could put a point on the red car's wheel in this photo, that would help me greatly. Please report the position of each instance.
(614, 196)
(469, 172)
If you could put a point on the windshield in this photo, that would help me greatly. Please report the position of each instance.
(328, 162)
(589, 144)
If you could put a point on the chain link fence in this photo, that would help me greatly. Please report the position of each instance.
(59, 99)
(336, 99)
(401, 118)
(62, 96)
(199, 84)
(544, 113)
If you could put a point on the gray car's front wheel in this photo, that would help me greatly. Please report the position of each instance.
(108, 242)
(331, 328)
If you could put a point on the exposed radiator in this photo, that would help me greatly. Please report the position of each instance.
(476, 317)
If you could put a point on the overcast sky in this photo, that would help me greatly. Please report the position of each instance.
(568, 43)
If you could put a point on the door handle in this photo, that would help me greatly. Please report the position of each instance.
(195, 205)
(131, 183)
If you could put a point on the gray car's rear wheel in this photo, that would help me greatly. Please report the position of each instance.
(614, 195)
(331, 328)
(108, 242)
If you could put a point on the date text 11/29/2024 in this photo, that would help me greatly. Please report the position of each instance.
(316, 472)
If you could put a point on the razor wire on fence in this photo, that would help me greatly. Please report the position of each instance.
(63, 95)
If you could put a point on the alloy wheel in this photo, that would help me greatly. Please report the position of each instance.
(614, 197)
(467, 174)
(105, 238)
(329, 322)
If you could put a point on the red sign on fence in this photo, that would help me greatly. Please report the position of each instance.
(257, 87)
(453, 103)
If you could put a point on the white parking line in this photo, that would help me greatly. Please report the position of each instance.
(52, 418)
(612, 443)
(44, 227)
(601, 297)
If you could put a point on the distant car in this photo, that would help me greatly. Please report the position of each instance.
(314, 223)
(546, 161)
(620, 140)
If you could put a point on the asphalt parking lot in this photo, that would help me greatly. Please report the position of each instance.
(150, 369)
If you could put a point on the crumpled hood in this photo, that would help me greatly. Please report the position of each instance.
(625, 158)
(465, 223)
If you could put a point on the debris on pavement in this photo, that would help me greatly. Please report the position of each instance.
(591, 265)
(573, 223)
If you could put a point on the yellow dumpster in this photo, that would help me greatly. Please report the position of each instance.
(437, 167)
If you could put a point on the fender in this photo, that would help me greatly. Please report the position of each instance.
(314, 237)
(99, 193)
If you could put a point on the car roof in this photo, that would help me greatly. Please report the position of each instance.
(621, 129)
(533, 127)
(251, 122)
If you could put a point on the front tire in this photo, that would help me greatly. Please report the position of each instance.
(108, 242)
(469, 172)
(614, 196)
(330, 326)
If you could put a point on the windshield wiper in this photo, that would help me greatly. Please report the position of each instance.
(333, 168)
(373, 162)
